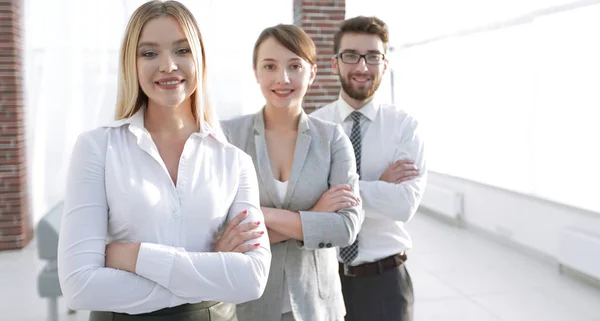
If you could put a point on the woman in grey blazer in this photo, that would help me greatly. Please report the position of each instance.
(307, 181)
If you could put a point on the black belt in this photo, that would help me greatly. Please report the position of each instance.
(375, 268)
(190, 307)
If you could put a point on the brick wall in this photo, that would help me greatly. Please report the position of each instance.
(320, 19)
(15, 224)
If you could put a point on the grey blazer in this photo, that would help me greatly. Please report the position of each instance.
(323, 157)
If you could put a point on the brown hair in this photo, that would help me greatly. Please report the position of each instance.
(363, 25)
(290, 36)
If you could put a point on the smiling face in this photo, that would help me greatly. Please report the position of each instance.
(359, 80)
(165, 65)
(283, 76)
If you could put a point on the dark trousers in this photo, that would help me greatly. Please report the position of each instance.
(383, 297)
(203, 311)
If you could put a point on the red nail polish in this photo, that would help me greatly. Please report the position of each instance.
(256, 244)
(245, 212)
(257, 223)
(262, 232)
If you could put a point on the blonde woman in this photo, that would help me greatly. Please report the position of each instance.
(147, 195)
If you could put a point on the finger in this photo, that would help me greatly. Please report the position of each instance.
(235, 221)
(404, 168)
(248, 226)
(256, 234)
(344, 193)
(339, 187)
(405, 179)
(246, 236)
(330, 200)
(243, 237)
(246, 248)
(401, 174)
(327, 197)
(398, 176)
(341, 205)
(414, 172)
(345, 199)
(354, 201)
(230, 233)
(403, 162)
(408, 167)
(240, 229)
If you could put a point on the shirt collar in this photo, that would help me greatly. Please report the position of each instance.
(136, 126)
(369, 110)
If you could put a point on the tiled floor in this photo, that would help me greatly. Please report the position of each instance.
(457, 276)
(460, 276)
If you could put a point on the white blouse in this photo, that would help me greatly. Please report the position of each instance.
(286, 307)
(119, 190)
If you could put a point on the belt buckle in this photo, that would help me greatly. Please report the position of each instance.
(347, 270)
(380, 267)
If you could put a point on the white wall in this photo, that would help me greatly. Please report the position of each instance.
(71, 63)
(512, 103)
(507, 93)
(519, 219)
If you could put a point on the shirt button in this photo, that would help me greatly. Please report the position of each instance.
(321, 245)
(328, 245)
(176, 214)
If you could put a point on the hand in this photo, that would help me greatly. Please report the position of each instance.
(235, 234)
(336, 198)
(400, 171)
(122, 256)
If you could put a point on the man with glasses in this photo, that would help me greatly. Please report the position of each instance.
(391, 164)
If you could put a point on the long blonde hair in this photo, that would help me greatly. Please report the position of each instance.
(130, 96)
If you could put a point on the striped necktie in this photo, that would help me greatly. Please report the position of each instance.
(349, 253)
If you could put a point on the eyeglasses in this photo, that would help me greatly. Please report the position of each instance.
(351, 57)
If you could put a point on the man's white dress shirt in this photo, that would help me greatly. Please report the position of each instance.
(388, 134)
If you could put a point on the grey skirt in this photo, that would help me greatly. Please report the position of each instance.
(203, 311)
